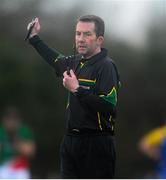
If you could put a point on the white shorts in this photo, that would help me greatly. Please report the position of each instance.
(7, 172)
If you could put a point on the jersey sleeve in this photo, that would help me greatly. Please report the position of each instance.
(51, 56)
(104, 97)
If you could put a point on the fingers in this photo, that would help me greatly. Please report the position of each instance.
(34, 27)
(36, 21)
(72, 73)
(64, 81)
(65, 74)
(65, 77)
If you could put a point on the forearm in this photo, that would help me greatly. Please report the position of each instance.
(48, 54)
(93, 101)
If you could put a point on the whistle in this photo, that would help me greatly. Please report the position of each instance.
(29, 32)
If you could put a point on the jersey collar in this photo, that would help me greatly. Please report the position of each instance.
(96, 57)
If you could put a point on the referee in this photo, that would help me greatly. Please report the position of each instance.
(91, 77)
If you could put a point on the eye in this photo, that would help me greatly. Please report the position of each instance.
(87, 34)
(78, 33)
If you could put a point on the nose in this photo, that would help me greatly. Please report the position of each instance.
(81, 37)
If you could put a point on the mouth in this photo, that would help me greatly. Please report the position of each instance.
(81, 47)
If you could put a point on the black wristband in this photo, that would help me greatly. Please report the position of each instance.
(77, 90)
(81, 90)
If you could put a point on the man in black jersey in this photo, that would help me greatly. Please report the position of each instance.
(92, 79)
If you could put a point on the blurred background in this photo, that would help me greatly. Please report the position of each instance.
(136, 40)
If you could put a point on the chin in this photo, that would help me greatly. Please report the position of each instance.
(82, 52)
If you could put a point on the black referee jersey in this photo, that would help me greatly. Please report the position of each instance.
(93, 106)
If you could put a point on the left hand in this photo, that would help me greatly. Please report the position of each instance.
(70, 82)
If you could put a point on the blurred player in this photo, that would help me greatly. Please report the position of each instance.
(153, 144)
(16, 146)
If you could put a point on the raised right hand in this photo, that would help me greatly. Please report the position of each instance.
(36, 28)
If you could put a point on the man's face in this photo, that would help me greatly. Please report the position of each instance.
(87, 43)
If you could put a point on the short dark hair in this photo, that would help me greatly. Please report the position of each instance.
(99, 23)
(11, 111)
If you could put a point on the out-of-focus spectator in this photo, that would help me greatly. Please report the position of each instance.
(153, 144)
(16, 146)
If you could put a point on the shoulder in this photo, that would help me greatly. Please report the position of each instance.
(155, 136)
(159, 130)
(110, 62)
(107, 64)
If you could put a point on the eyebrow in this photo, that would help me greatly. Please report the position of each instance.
(84, 32)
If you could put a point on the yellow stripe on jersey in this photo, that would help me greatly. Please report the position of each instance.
(87, 80)
(99, 121)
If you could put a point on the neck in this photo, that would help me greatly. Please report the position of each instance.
(98, 50)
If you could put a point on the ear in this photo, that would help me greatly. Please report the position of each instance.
(100, 40)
